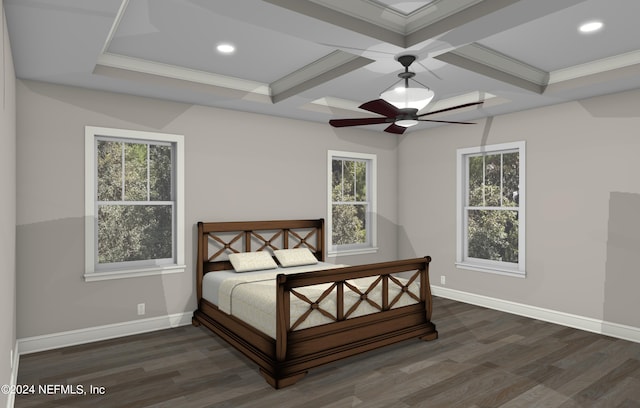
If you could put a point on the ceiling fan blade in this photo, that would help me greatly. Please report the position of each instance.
(357, 122)
(393, 128)
(452, 108)
(381, 107)
(357, 49)
(447, 121)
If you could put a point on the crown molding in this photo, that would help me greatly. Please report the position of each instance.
(595, 67)
(181, 73)
(485, 61)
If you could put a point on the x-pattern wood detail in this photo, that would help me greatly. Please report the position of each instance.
(363, 296)
(279, 240)
(267, 242)
(225, 245)
(304, 240)
(313, 306)
(404, 288)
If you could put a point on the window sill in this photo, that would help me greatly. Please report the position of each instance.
(133, 273)
(491, 269)
(347, 252)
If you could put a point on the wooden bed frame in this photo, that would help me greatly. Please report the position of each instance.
(287, 359)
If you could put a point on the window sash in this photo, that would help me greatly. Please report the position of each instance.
(124, 171)
(106, 266)
(124, 202)
(467, 250)
(366, 227)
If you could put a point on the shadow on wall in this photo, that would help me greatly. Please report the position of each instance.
(52, 295)
(619, 105)
(371, 138)
(155, 115)
(387, 250)
(405, 248)
(622, 280)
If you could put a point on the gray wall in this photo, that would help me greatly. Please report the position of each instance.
(583, 205)
(582, 190)
(7, 211)
(239, 166)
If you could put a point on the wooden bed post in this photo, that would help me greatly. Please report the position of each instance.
(282, 318)
(202, 256)
(427, 287)
(425, 293)
(321, 241)
(340, 301)
(202, 253)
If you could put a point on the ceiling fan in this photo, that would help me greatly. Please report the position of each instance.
(399, 106)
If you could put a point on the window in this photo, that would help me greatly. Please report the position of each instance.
(352, 203)
(491, 203)
(133, 203)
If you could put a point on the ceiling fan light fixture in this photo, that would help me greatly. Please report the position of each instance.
(406, 122)
(408, 97)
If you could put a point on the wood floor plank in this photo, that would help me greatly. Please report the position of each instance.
(482, 359)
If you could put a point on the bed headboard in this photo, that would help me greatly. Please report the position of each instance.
(216, 240)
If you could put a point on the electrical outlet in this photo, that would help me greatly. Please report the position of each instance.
(443, 280)
(141, 308)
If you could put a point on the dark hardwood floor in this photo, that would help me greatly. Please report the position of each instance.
(484, 358)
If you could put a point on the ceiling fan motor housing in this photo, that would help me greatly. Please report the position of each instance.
(407, 114)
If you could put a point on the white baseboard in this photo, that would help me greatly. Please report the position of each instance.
(553, 316)
(621, 331)
(110, 331)
(13, 380)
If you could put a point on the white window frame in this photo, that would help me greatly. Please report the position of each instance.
(483, 265)
(92, 135)
(371, 245)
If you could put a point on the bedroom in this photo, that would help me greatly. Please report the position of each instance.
(582, 195)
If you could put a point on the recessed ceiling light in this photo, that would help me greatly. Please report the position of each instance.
(225, 48)
(591, 26)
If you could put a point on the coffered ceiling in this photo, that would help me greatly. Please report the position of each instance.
(320, 59)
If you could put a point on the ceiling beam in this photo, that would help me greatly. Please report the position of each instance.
(318, 72)
(491, 63)
(455, 20)
(337, 18)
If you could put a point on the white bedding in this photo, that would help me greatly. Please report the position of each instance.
(251, 296)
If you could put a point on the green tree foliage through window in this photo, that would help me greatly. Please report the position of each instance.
(492, 206)
(134, 201)
(349, 201)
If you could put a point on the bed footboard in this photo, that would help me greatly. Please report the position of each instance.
(299, 350)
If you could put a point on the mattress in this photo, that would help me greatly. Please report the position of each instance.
(251, 296)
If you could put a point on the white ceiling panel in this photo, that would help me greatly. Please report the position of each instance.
(319, 59)
(180, 33)
(554, 42)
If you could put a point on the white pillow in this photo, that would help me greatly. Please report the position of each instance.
(295, 257)
(252, 261)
